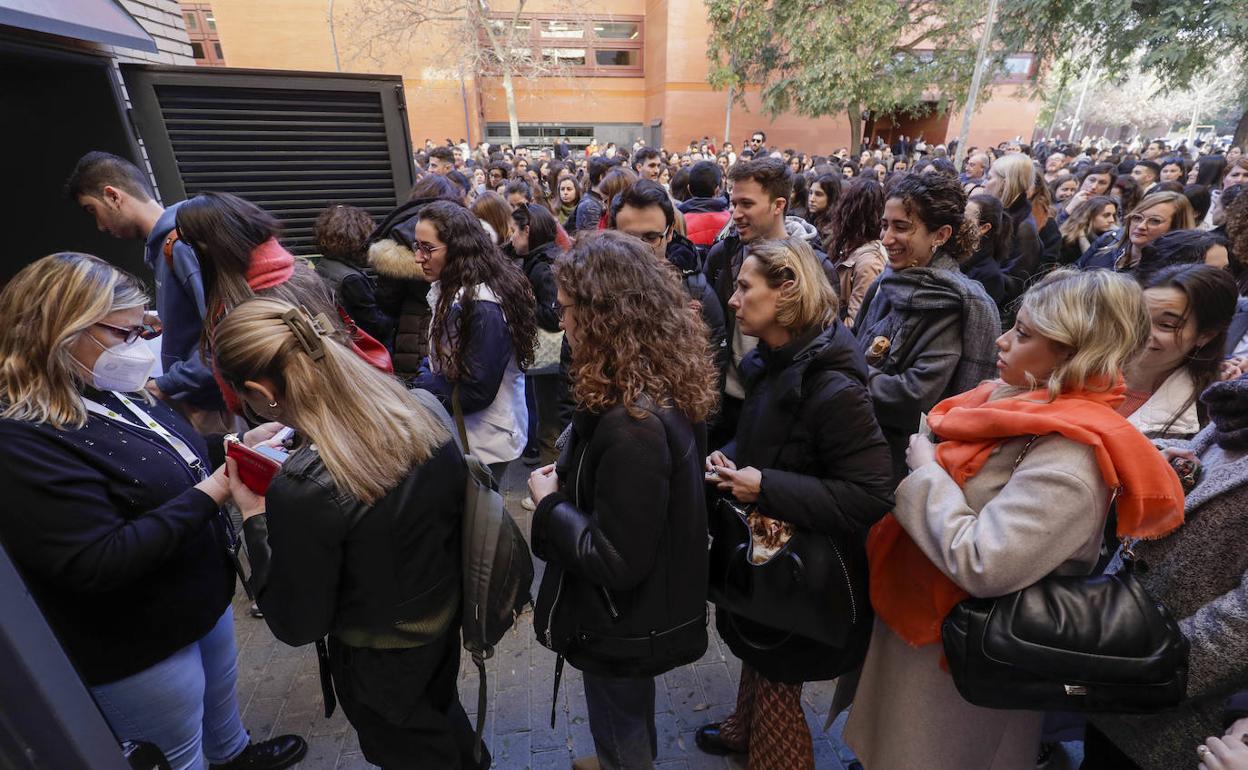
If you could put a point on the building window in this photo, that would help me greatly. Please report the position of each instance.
(201, 28)
(1019, 68)
(584, 46)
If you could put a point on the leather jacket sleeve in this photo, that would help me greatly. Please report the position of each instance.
(617, 545)
(295, 549)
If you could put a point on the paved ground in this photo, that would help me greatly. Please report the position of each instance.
(279, 692)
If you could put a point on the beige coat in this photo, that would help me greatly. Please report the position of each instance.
(1007, 529)
(856, 273)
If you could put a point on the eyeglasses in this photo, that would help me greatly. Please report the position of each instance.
(150, 329)
(1152, 222)
(561, 308)
(426, 248)
(653, 238)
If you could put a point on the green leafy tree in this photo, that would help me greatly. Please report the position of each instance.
(1181, 43)
(818, 58)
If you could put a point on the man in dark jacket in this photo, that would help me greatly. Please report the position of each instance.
(589, 210)
(760, 195)
(645, 211)
(706, 212)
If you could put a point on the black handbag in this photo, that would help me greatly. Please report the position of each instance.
(813, 586)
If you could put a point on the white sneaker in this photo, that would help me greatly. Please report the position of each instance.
(528, 504)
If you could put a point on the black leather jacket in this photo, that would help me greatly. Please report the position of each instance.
(386, 574)
(625, 545)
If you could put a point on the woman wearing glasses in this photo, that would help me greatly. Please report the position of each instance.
(114, 519)
(1152, 218)
(483, 331)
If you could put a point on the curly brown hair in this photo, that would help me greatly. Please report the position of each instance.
(341, 232)
(937, 201)
(636, 335)
(1235, 204)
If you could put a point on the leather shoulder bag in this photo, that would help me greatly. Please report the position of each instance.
(1098, 643)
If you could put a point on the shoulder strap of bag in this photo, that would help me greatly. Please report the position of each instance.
(167, 249)
(459, 419)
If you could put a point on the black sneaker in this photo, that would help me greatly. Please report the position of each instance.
(273, 754)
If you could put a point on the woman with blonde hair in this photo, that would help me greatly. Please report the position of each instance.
(1017, 489)
(1012, 179)
(1154, 216)
(621, 516)
(357, 536)
(114, 519)
(1085, 223)
(810, 459)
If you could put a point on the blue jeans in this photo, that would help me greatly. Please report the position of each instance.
(621, 720)
(186, 704)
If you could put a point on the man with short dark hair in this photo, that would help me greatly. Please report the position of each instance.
(441, 160)
(1146, 173)
(758, 142)
(1155, 150)
(706, 212)
(589, 210)
(118, 195)
(645, 211)
(647, 163)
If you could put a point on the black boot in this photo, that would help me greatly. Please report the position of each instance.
(273, 754)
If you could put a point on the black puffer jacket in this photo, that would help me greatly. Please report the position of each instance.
(624, 541)
(401, 286)
(536, 266)
(807, 423)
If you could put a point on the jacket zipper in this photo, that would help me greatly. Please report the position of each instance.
(550, 617)
(849, 586)
(615, 615)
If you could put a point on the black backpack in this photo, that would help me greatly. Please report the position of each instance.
(497, 567)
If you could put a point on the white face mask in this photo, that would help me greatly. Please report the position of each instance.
(123, 367)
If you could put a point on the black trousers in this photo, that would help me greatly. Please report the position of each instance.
(405, 706)
(1099, 753)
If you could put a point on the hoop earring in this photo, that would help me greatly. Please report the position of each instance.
(272, 404)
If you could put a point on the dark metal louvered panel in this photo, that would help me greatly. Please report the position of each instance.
(290, 142)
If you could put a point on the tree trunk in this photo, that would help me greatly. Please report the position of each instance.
(855, 130)
(510, 92)
(1240, 139)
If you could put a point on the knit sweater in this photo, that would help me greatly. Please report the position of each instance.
(1200, 573)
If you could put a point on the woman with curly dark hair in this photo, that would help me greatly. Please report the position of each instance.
(341, 233)
(482, 334)
(621, 516)
(854, 247)
(926, 329)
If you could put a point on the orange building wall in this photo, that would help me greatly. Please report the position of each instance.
(295, 34)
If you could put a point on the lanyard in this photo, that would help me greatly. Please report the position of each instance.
(145, 420)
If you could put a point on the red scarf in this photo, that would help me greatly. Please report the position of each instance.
(271, 265)
(911, 595)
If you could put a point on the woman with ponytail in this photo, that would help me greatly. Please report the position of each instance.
(357, 536)
(1017, 489)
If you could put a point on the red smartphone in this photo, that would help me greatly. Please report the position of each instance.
(256, 465)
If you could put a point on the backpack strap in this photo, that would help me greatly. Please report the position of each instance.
(167, 249)
(459, 419)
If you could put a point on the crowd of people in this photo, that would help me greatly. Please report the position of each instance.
(877, 386)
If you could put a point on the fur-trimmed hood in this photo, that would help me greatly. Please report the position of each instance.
(393, 259)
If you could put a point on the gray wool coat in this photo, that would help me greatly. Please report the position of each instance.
(1200, 573)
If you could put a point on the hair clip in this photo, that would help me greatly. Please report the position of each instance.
(309, 331)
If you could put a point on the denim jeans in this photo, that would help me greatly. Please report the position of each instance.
(186, 704)
(621, 720)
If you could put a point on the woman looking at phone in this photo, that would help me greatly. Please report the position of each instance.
(357, 536)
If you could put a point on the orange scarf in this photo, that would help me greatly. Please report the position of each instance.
(911, 595)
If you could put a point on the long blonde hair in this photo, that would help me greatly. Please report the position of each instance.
(1099, 315)
(1018, 177)
(367, 428)
(45, 308)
